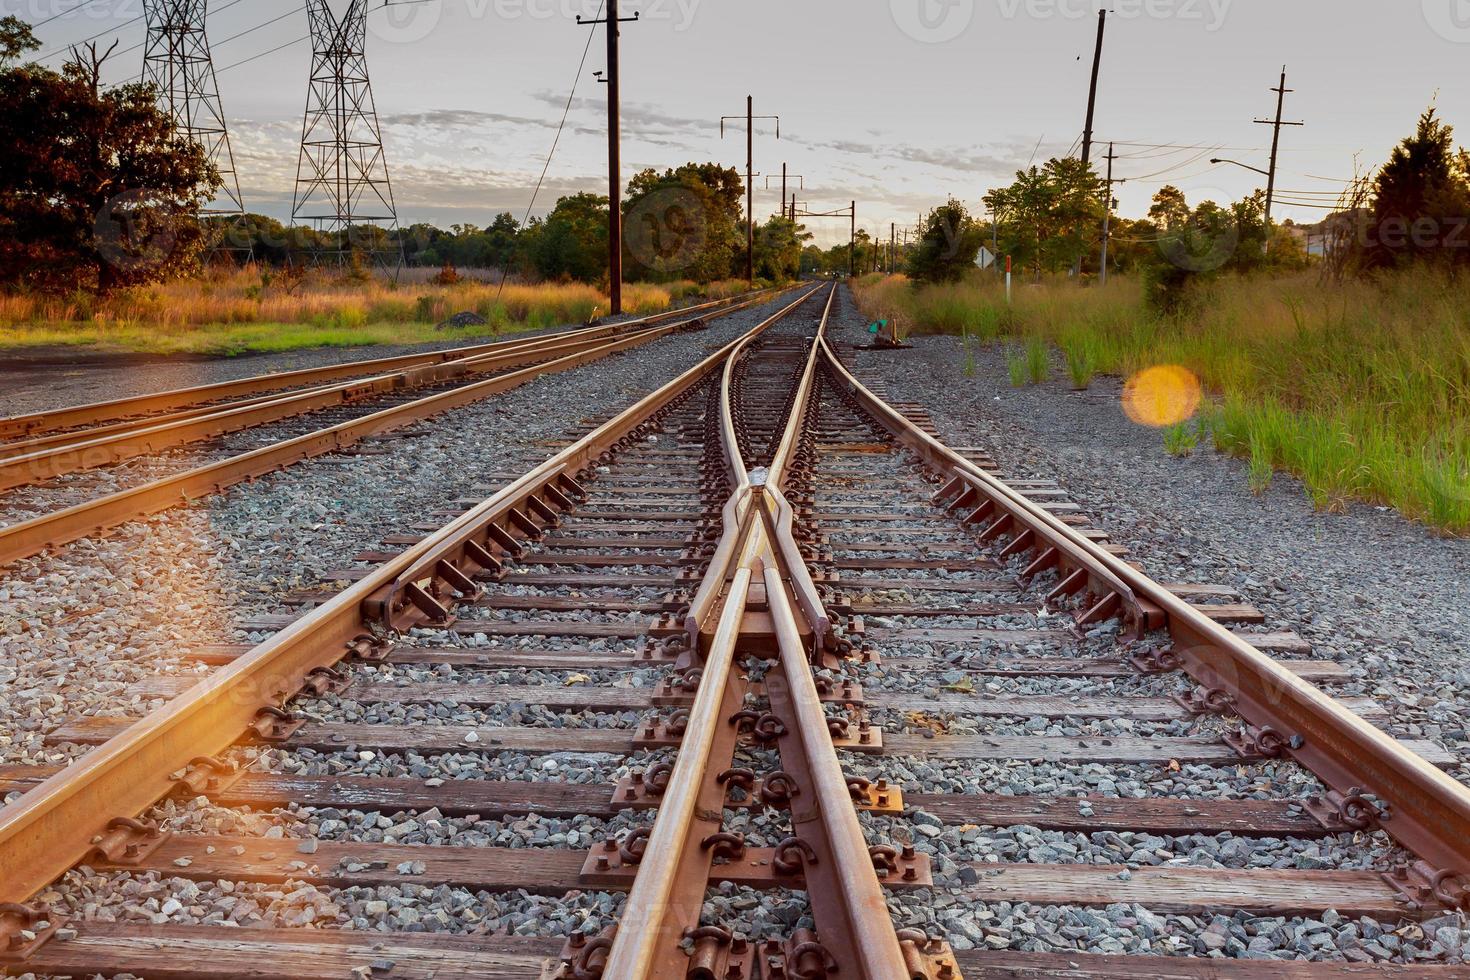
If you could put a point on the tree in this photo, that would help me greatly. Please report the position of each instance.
(1421, 200)
(684, 223)
(1050, 216)
(1170, 210)
(949, 243)
(778, 249)
(97, 187)
(15, 40)
(572, 242)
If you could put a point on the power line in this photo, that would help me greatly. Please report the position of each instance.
(64, 13)
(556, 140)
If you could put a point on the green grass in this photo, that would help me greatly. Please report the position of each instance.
(1181, 439)
(1360, 390)
(232, 339)
(1016, 367)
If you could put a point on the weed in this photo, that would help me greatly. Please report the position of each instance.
(1038, 360)
(1016, 368)
(1182, 439)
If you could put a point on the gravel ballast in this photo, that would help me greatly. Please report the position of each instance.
(79, 626)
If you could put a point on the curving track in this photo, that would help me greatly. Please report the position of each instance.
(746, 632)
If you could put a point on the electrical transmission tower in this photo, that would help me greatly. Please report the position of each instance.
(176, 60)
(342, 186)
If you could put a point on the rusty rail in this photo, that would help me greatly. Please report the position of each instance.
(469, 544)
(52, 530)
(146, 438)
(95, 412)
(53, 826)
(1421, 807)
(663, 908)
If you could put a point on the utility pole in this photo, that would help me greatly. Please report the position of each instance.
(1276, 125)
(1107, 214)
(1102, 23)
(750, 118)
(892, 245)
(852, 246)
(614, 156)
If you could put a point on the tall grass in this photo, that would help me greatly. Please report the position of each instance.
(1361, 390)
(245, 310)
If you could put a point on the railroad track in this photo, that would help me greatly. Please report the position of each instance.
(765, 665)
(82, 470)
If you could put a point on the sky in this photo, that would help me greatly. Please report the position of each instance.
(897, 104)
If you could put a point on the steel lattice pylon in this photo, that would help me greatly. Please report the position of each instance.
(342, 181)
(176, 60)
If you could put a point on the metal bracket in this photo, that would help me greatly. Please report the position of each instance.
(1157, 661)
(127, 842)
(1204, 700)
(369, 649)
(208, 774)
(929, 958)
(1338, 812)
(1425, 887)
(24, 929)
(275, 725)
(1251, 742)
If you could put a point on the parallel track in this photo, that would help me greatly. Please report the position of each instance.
(800, 597)
(322, 419)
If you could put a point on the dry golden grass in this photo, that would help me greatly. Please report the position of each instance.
(254, 311)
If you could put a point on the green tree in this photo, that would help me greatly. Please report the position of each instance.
(949, 243)
(572, 242)
(1170, 210)
(1421, 200)
(1050, 216)
(778, 249)
(97, 187)
(684, 223)
(15, 40)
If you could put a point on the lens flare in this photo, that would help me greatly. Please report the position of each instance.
(1162, 396)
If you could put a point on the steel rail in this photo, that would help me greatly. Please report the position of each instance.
(470, 539)
(854, 908)
(708, 593)
(79, 415)
(144, 438)
(655, 913)
(52, 827)
(52, 530)
(1420, 806)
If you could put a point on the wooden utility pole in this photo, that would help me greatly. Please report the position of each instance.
(750, 118)
(614, 156)
(1276, 125)
(1107, 213)
(1102, 23)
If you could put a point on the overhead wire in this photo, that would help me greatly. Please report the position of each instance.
(556, 140)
